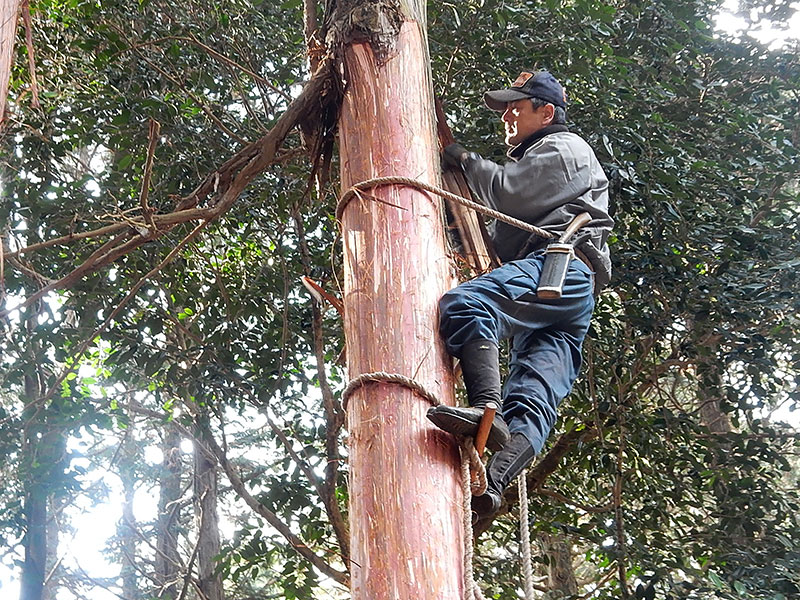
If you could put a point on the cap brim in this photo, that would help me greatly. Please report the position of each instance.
(497, 99)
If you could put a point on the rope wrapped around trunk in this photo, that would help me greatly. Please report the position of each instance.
(407, 181)
(471, 463)
(472, 467)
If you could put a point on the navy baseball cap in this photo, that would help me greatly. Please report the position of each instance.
(529, 84)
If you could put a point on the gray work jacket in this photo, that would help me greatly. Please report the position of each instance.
(548, 183)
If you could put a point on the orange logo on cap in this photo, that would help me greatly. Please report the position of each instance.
(521, 79)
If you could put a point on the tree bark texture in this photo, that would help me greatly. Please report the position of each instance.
(205, 506)
(51, 578)
(32, 579)
(561, 579)
(9, 11)
(41, 454)
(405, 497)
(129, 456)
(167, 568)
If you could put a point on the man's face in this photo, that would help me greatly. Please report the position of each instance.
(521, 120)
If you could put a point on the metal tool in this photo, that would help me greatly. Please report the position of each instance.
(557, 257)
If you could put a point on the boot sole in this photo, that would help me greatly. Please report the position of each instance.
(486, 505)
(457, 424)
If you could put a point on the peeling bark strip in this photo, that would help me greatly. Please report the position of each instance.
(376, 23)
(405, 515)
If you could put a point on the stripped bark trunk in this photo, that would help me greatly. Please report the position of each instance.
(9, 11)
(406, 538)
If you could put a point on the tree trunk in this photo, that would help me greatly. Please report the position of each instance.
(39, 452)
(167, 558)
(44, 460)
(561, 579)
(405, 497)
(35, 542)
(127, 527)
(205, 508)
(52, 570)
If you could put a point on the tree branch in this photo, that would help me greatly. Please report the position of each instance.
(227, 182)
(334, 415)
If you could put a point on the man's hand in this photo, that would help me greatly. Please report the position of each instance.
(453, 155)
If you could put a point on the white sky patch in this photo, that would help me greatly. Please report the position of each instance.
(773, 35)
(187, 446)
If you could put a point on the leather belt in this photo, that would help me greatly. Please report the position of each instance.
(584, 259)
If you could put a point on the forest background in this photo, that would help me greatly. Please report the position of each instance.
(170, 393)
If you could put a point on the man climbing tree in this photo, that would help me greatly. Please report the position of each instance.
(554, 177)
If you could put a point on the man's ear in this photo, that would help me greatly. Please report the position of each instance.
(549, 114)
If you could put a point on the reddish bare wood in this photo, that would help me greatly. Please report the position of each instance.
(405, 516)
(9, 10)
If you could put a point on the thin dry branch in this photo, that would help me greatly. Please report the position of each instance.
(147, 211)
(220, 57)
(272, 518)
(334, 415)
(570, 502)
(26, 19)
(226, 183)
(89, 265)
(202, 105)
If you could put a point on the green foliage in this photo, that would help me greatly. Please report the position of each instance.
(698, 136)
(691, 349)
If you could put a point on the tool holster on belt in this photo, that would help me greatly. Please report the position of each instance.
(557, 257)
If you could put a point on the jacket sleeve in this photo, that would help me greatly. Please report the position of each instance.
(549, 176)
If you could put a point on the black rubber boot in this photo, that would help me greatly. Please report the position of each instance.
(502, 469)
(480, 365)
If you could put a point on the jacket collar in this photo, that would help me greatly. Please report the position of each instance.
(519, 150)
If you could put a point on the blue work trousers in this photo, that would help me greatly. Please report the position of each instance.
(547, 336)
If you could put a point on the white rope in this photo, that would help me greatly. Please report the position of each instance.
(525, 535)
(480, 208)
(472, 467)
(471, 589)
